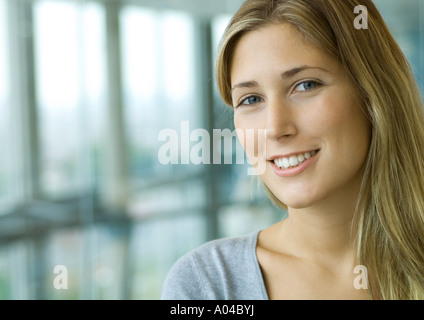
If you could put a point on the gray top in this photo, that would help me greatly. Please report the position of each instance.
(222, 269)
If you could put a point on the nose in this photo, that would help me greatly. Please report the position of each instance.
(279, 120)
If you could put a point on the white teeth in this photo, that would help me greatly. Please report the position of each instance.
(293, 161)
(280, 162)
(285, 163)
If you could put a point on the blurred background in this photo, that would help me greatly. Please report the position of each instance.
(86, 87)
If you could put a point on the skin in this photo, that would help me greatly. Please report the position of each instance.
(311, 253)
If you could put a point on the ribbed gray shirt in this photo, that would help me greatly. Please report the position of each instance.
(222, 269)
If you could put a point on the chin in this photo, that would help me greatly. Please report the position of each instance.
(296, 202)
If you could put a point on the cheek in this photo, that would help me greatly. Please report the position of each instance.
(326, 115)
(240, 129)
(247, 133)
(344, 127)
(252, 137)
(335, 112)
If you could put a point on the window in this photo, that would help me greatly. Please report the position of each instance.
(8, 170)
(159, 87)
(70, 61)
(405, 22)
(89, 262)
(160, 93)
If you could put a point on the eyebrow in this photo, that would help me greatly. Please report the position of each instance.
(292, 72)
(246, 84)
(285, 75)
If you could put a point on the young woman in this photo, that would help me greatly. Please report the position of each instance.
(344, 128)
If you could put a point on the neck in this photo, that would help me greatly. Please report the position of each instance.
(321, 233)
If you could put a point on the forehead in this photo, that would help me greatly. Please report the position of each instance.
(276, 47)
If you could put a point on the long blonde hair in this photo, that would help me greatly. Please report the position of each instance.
(390, 215)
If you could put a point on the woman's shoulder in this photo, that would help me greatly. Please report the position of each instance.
(226, 247)
(218, 269)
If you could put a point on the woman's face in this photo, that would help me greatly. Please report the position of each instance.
(317, 136)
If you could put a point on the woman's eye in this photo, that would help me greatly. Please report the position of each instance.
(306, 85)
(250, 100)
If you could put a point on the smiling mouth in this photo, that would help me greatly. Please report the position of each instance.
(294, 160)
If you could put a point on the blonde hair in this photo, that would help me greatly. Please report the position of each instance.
(390, 210)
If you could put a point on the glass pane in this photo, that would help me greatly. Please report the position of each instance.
(242, 219)
(156, 245)
(405, 21)
(86, 263)
(69, 44)
(159, 88)
(219, 23)
(14, 284)
(65, 273)
(168, 198)
(7, 138)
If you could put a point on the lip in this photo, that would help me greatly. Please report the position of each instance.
(291, 172)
